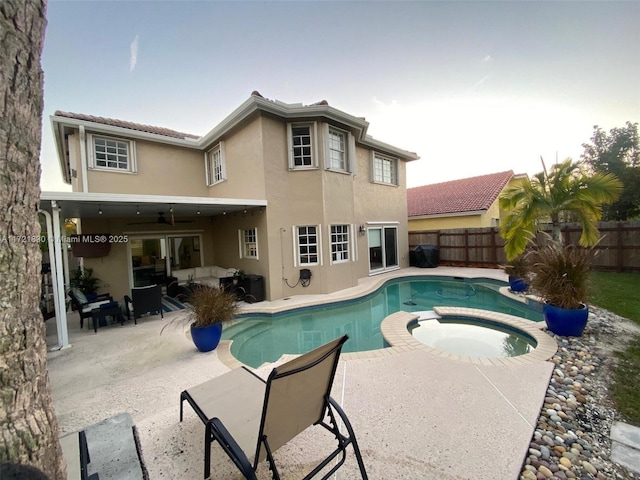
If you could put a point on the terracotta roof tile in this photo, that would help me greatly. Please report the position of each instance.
(167, 132)
(465, 195)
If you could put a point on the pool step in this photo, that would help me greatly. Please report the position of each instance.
(427, 315)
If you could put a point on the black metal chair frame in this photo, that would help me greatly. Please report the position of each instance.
(144, 300)
(80, 306)
(215, 430)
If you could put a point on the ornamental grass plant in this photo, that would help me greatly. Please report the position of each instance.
(560, 275)
(209, 305)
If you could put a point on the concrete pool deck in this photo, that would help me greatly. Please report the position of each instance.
(416, 415)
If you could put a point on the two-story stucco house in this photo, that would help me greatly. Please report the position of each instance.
(273, 189)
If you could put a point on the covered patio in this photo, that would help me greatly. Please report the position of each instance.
(160, 211)
(416, 415)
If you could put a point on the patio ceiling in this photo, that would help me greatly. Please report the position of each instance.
(79, 205)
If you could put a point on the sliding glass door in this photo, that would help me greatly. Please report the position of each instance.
(383, 248)
(154, 257)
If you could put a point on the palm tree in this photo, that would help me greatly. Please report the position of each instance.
(27, 422)
(566, 193)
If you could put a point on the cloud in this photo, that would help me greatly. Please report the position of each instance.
(133, 57)
(486, 59)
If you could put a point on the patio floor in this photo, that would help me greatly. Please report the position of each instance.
(416, 415)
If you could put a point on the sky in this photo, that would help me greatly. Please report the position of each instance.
(472, 87)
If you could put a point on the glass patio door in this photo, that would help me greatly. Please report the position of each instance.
(148, 260)
(383, 248)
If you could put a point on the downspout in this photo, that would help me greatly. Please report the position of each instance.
(83, 160)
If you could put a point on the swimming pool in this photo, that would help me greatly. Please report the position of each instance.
(260, 338)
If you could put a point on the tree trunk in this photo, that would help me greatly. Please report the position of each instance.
(28, 426)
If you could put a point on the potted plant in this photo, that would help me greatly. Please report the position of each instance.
(518, 272)
(84, 280)
(560, 277)
(208, 309)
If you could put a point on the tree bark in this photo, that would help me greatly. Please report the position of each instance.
(28, 426)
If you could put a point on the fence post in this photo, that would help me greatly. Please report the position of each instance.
(619, 249)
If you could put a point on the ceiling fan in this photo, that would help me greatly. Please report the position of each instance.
(162, 220)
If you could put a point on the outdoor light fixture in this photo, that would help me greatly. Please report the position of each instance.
(137, 210)
(99, 209)
(198, 212)
(361, 229)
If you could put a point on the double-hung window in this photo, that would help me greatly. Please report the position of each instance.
(308, 245)
(337, 149)
(249, 243)
(110, 153)
(302, 148)
(216, 170)
(385, 169)
(339, 243)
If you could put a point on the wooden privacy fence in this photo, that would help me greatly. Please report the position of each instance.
(618, 250)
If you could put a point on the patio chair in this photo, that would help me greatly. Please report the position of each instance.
(251, 418)
(144, 300)
(85, 305)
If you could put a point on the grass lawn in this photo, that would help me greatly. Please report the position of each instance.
(617, 292)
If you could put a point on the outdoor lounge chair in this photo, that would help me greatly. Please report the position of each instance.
(84, 305)
(144, 300)
(251, 418)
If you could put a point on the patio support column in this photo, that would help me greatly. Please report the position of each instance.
(58, 278)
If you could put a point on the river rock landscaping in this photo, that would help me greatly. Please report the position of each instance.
(571, 439)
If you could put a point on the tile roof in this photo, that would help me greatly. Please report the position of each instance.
(167, 132)
(465, 195)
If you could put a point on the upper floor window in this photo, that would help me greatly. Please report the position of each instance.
(112, 154)
(215, 165)
(337, 149)
(385, 169)
(302, 145)
(308, 245)
(249, 243)
(339, 243)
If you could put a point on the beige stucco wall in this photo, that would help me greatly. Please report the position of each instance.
(162, 170)
(244, 163)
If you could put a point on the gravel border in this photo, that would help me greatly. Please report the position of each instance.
(571, 439)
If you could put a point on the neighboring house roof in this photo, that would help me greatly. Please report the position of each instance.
(124, 124)
(471, 195)
(64, 122)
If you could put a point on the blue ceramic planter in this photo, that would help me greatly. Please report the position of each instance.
(565, 322)
(206, 338)
(517, 284)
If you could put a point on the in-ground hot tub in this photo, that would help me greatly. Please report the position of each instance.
(472, 336)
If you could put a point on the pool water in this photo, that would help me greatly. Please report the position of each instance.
(260, 338)
(475, 338)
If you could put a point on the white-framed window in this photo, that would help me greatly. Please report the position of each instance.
(339, 243)
(215, 165)
(248, 243)
(109, 153)
(337, 149)
(308, 241)
(385, 169)
(302, 145)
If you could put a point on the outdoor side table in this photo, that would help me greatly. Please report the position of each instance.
(111, 309)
